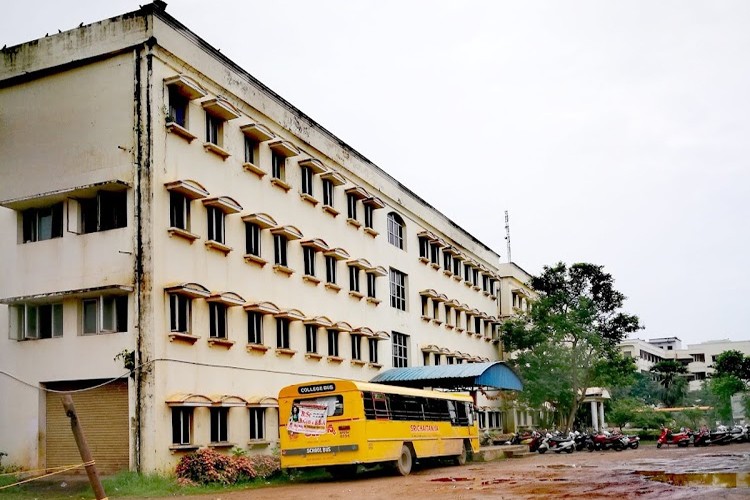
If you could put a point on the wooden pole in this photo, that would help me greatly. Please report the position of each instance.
(83, 448)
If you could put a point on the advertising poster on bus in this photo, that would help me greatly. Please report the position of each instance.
(308, 419)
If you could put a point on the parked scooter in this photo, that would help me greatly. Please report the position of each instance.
(558, 444)
(537, 440)
(681, 439)
(580, 440)
(633, 442)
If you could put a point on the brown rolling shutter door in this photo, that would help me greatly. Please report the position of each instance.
(103, 414)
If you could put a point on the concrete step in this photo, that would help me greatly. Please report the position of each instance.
(489, 453)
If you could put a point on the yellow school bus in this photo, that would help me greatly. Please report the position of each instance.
(339, 424)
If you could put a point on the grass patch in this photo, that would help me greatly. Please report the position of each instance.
(133, 485)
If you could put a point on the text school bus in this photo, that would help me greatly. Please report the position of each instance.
(339, 424)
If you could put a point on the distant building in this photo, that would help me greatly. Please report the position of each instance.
(696, 357)
(164, 209)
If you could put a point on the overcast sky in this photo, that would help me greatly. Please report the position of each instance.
(614, 132)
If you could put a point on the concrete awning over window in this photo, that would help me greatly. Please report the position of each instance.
(494, 374)
(50, 197)
(82, 293)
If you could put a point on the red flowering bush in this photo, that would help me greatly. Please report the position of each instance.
(209, 466)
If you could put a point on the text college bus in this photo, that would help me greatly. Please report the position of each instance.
(339, 424)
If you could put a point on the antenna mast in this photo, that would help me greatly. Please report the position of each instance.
(507, 234)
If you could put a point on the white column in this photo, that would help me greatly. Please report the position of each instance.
(594, 416)
(601, 413)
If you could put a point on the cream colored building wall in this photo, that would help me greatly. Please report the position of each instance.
(84, 120)
(61, 131)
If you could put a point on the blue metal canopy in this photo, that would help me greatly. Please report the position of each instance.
(495, 374)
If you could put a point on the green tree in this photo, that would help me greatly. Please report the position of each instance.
(733, 363)
(671, 375)
(567, 343)
(623, 411)
(731, 375)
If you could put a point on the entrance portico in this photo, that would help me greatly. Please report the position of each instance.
(596, 396)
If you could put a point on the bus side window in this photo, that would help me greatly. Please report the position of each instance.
(380, 403)
(452, 412)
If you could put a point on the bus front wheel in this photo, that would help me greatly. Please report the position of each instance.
(405, 461)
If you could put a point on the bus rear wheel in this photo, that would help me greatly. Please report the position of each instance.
(405, 461)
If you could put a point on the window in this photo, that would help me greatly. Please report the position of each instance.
(356, 347)
(282, 333)
(477, 324)
(398, 289)
(333, 342)
(217, 320)
(369, 211)
(214, 128)
(179, 211)
(447, 261)
(457, 313)
(219, 425)
(108, 210)
(311, 338)
(396, 230)
(178, 105)
(327, 192)
(353, 279)
(448, 315)
(425, 302)
(36, 321)
(456, 267)
(371, 285)
(372, 343)
(400, 350)
(330, 270)
(215, 224)
(467, 272)
(105, 314)
(309, 256)
(435, 254)
(351, 206)
(43, 223)
(424, 247)
(436, 357)
(278, 166)
(251, 146)
(182, 425)
(252, 239)
(179, 313)
(436, 310)
(254, 327)
(257, 423)
(700, 358)
(279, 249)
(307, 180)
(450, 359)
(475, 277)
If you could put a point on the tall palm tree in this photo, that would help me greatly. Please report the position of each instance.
(671, 375)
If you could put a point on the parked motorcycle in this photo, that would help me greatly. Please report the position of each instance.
(681, 439)
(721, 435)
(738, 434)
(605, 441)
(702, 437)
(537, 439)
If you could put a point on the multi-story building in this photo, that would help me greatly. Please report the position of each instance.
(698, 358)
(187, 242)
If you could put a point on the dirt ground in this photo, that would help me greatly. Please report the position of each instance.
(596, 475)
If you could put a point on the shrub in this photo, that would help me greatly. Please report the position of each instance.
(209, 466)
